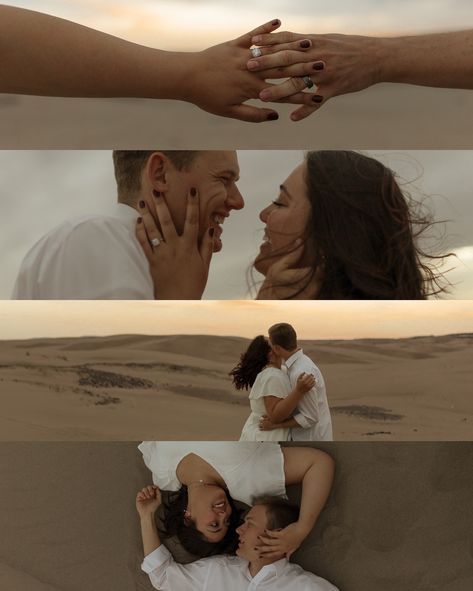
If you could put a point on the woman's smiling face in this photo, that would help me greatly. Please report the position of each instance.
(285, 220)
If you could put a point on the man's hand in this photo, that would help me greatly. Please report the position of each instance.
(265, 424)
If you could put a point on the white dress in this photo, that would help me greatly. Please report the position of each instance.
(269, 382)
(249, 469)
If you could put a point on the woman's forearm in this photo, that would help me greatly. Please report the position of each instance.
(283, 408)
(45, 55)
(149, 534)
(441, 59)
(316, 485)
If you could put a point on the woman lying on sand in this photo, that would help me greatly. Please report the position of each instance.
(340, 228)
(271, 394)
(207, 478)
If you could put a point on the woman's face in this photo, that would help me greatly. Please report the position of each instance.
(285, 220)
(274, 359)
(210, 511)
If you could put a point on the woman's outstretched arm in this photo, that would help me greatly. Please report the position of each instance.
(339, 64)
(49, 56)
(148, 500)
(314, 469)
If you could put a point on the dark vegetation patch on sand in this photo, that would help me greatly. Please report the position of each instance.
(97, 378)
(372, 413)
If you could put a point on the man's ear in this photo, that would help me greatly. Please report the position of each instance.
(155, 172)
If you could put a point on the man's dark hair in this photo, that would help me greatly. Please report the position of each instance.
(128, 165)
(284, 335)
(279, 512)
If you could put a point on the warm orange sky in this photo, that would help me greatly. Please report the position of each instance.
(195, 24)
(312, 320)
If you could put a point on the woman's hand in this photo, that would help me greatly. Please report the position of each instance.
(305, 383)
(178, 264)
(283, 542)
(148, 500)
(285, 280)
(337, 64)
(217, 80)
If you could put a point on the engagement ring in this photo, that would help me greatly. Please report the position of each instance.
(155, 242)
(256, 52)
(307, 81)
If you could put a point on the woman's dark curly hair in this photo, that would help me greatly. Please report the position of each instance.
(189, 537)
(252, 361)
(364, 232)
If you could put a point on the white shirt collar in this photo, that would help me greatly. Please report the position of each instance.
(126, 214)
(290, 360)
(268, 572)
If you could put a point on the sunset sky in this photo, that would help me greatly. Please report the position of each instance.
(194, 24)
(312, 320)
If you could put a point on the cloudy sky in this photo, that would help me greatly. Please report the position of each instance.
(190, 24)
(312, 320)
(40, 189)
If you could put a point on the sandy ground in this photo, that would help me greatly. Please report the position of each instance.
(386, 116)
(400, 517)
(177, 387)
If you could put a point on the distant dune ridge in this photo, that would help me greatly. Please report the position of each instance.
(174, 387)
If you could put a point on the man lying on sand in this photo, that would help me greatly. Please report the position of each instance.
(255, 566)
(100, 257)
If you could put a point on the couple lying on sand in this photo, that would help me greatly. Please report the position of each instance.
(340, 228)
(231, 549)
(285, 405)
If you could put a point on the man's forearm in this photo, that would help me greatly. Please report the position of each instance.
(45, 55)
(284, 407)
(441, 59)
(149, 534)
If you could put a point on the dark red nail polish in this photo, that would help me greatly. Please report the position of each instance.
(193, 192)
(273, 117)
(142, 204)
(318, 66)
(139, 220)
(211, 232)
(304, 44)
(317, 98)
(275, 22)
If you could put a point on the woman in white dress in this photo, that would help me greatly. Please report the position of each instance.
(271, 394)
(207, 476)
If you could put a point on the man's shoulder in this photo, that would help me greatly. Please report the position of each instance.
(306, 580)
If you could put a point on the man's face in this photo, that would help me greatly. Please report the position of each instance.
(254, 524)
(214, 174)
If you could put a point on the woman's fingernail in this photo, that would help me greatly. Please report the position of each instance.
(276, 22)
(157, 194)
(318, 66)
(211, 232)
(142, 204)
(252, 65)
(317, 98)
(139, 220)
(193, 192)
(257, 39)
(265, 95)
(273, 116)
(305, 44)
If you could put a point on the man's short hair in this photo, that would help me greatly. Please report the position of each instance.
(279, 512)
(284, 335)
(129, 164)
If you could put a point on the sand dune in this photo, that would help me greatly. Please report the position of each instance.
(177, 387)
(386, 116)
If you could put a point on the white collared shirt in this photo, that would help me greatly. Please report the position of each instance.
(313, 412)
(229, 573)
(89, 258)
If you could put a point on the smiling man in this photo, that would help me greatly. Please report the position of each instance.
(250, 570)
(100, 257)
